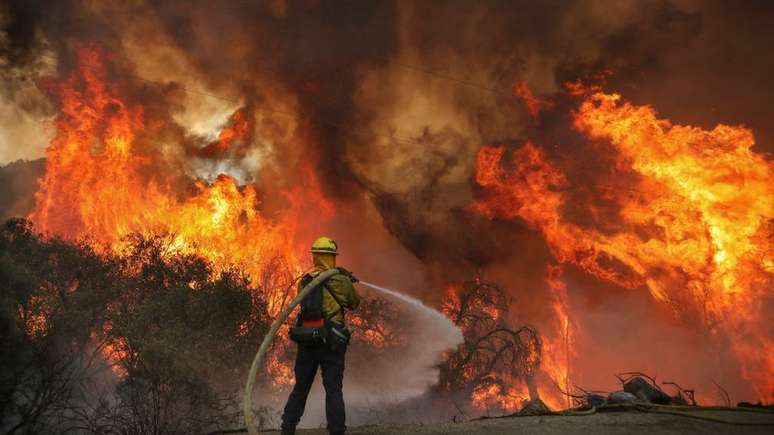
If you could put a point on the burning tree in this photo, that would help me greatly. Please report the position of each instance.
(495, 356)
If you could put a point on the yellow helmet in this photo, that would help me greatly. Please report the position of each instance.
(324, 245)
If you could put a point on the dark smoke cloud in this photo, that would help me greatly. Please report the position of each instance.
(19, 185)
(398, 96)
(684, 58)
(323, 52)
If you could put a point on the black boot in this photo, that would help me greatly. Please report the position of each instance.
(288, 430)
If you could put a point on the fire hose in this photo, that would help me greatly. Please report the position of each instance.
(269, 338)
(658, 409)
(266, 344)
(672, 410)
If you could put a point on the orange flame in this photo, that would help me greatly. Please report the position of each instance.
(100, 183)
(484, 397)
(558, 347)
(533, 104)
(704, 198)
(229, 136)
(103, 182)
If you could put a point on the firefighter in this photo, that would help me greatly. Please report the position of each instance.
(322, 338)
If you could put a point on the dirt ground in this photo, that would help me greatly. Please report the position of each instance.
(609, 423)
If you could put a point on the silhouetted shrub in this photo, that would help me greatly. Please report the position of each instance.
(149, 341)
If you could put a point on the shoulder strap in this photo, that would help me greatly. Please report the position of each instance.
(335, 298)
(311, 305)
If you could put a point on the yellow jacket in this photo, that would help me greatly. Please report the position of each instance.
(341, 286)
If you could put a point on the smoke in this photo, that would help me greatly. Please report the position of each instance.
(19, 181)
(430, 334)
(389, 103)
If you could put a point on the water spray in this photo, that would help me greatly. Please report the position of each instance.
(416, 303)
(431, 313)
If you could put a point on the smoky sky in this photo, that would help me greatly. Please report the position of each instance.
(359, 69)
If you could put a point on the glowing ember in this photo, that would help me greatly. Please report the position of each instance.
(493, 396)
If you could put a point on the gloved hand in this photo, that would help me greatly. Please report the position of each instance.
(349, 274)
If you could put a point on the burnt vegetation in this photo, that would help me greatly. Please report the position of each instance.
(494, 353)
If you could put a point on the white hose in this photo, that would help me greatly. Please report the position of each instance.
(248, 402)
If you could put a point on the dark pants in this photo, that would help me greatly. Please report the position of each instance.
(332, 364)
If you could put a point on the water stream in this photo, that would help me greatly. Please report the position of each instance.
(416, 303)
